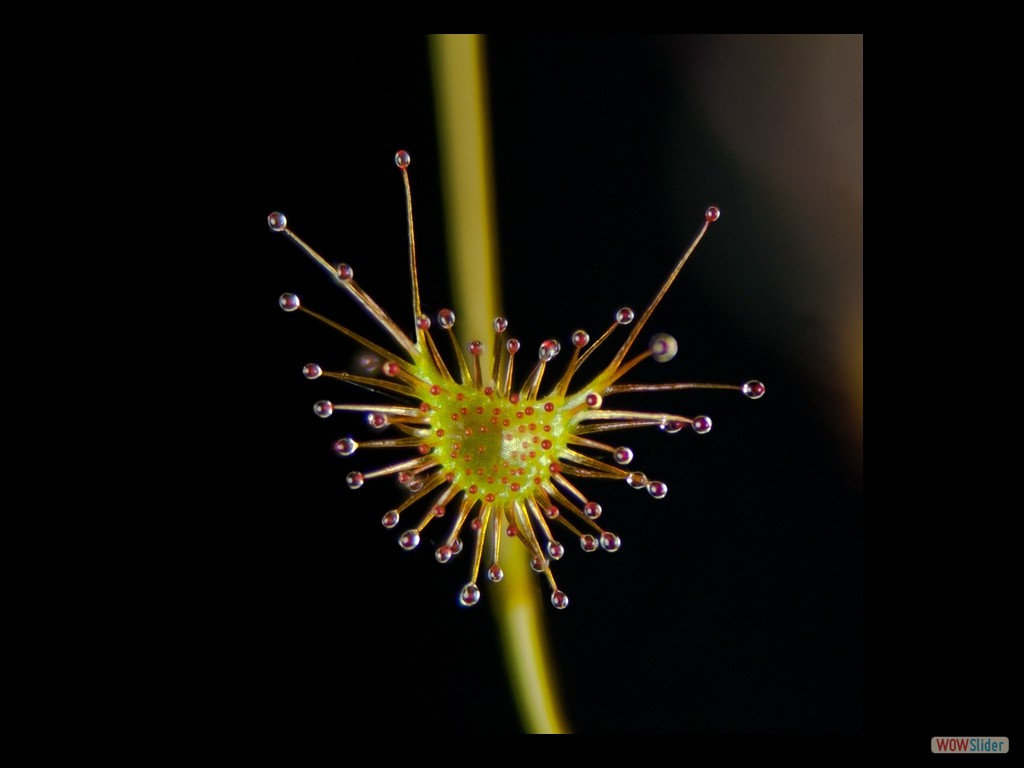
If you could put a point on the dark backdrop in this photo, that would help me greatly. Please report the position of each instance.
(736, 604)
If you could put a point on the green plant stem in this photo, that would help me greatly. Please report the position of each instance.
(460, 92)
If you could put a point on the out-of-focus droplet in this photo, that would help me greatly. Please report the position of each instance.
(663, 347)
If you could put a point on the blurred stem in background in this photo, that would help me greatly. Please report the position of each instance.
(460, 95)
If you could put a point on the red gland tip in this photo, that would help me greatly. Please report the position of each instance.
(402, 159)
(712, 213)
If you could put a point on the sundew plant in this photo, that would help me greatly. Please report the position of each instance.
(501, 441)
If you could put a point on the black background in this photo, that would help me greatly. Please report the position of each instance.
(736, 604)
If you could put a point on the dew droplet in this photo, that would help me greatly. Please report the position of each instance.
(672, 426)
(624, 316)
(622, 455)
(753, 389)
(594, 400)
(636, 480)
(475, 348)
(415, 485)
(355, 480)
(657, 489)
(555, 550)
(423, 322)
(289, 302)
(470, 594)
(443, 553)
(559, 599)
(663, 347)
(323, 408)
(512, 345)
(409, 540)
(346, 446)
(581, 338)
(377, 420)
(592, 510)
(311, 371)
(368, 363)
(402, 159)
(390, 519)
(712, 213)
(538, 564)
(446, 318)
(702, 425)
(610, 542)
(500, 324)
(344, 272)
(277, 221)
(588, 543)
(456, 546)
(548, 350)
(551, 512)
(495, 574)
